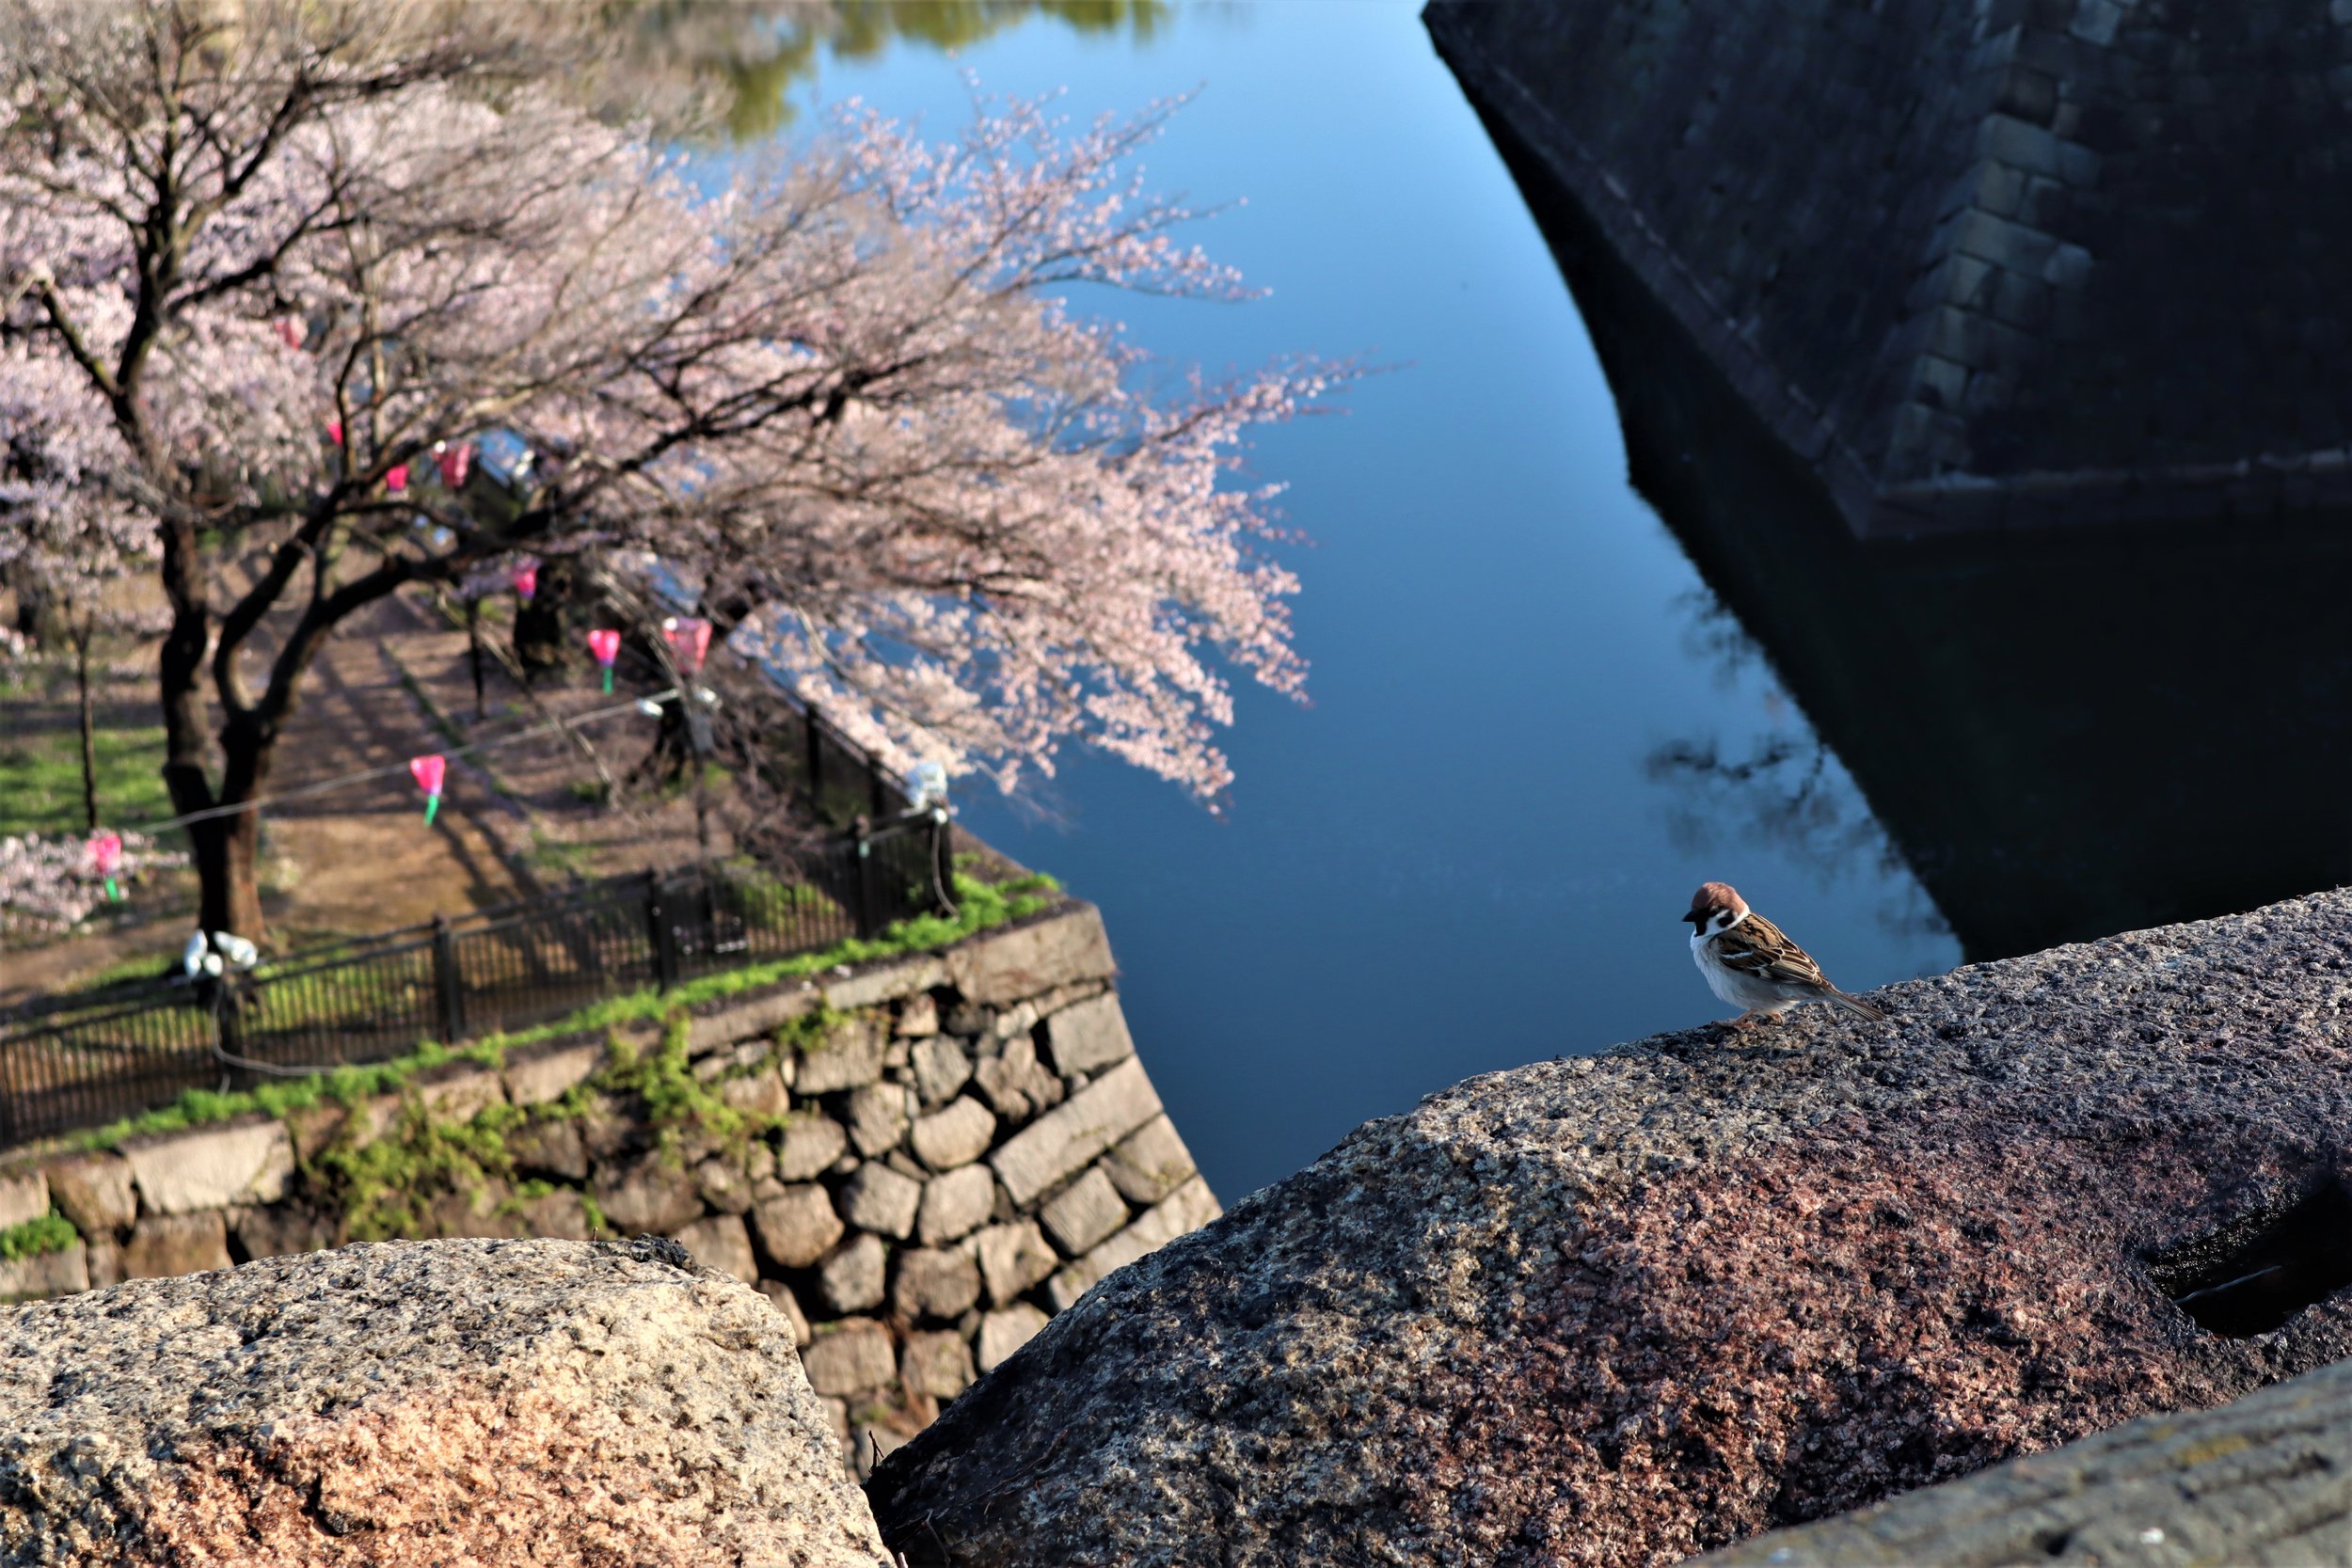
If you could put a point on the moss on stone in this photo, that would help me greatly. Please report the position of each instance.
(44, 1233)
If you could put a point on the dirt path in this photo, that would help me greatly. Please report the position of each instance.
(393, 685)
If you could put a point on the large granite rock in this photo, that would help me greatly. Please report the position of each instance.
(437, 1402)
(1617, 1311)
(2263, 1483)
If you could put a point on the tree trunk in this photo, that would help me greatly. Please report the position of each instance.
(539, 623)
(226, 851)
(89, 730)
(473, 649)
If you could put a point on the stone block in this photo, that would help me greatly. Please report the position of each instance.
(798, 1227)
(955, 1136)
(458, 1094)
(23, 1196)
(1069, 1137)
(51, 1274)
(780, 1295)
(849, 1058)
(552, 1075)
(747, 1017)
(1016, 1082)
(759, 1092)
(163, 1244)
(812, 1146)
(919, 1016)
(278, 1230)
(941, 1068)
(937, 1364)
(878, 1199)
(477, 1214)
(558, 1215)
(1024, 960)
(885, 982)
(608, 1127)
(1087, 1212)
(1189, 1208)
(106, 1264)
(648, 1197)
(1012, 1257)
(932, 1283)
(243, 1162)
(549, 1149)
(1005, 1330)
(878, 1117)
(1149, 1163)
(724, 1187)
(93, 1191)
(1088, 1036)
(721, 1243)
(955, 1205)
(850, 1358)
(853, 1279)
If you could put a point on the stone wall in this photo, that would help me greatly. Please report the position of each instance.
(931, 1156)
(1979, 262)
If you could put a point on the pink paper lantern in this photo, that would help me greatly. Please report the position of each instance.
(106, 858)
(429, 772)
(455, 463)
(689, 636)
(396, 478)
(605, 645)
(334, 431)
(526, 580)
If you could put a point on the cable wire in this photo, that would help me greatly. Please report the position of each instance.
(322, 787)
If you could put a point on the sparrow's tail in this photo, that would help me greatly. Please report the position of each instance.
(1855, 1005)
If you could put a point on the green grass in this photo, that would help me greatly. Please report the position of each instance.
(41, 779)
(554, 857)
(51, 1232)
(979, 906)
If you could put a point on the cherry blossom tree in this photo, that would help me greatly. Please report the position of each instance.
(267, 268)
(50, 884)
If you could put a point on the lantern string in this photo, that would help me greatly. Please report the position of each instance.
(323, 786)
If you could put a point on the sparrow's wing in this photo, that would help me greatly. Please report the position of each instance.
(1756, 946)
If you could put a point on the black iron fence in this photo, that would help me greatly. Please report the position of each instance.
(85, 1059)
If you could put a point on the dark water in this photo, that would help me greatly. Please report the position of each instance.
(1579, 646)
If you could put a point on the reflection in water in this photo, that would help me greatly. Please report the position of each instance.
(2063, 734)
(1785, 788)
(755, 50)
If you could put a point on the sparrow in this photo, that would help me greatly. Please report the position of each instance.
(1749, 960)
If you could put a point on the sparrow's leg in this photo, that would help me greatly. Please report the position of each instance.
(1748, 1020)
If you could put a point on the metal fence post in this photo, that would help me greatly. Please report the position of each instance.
(862, 879)
(664, 938)
(447, 982)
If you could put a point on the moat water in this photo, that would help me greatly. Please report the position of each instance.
(1537, 721)
(1465, 854)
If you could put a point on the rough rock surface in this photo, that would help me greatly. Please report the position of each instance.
(1617, 1311)
(434, 1402)
(2263, 1483)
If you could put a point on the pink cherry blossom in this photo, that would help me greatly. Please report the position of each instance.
(849, 394)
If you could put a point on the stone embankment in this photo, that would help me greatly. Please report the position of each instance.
(1619, 1310)
(502, 1402)
(919, 1162)
(2263, 1482)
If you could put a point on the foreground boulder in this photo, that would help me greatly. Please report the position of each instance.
(1619, 1310)
(475, 1402)
(2265, 1482)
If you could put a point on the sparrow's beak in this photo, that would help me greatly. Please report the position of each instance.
(1694, 917)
